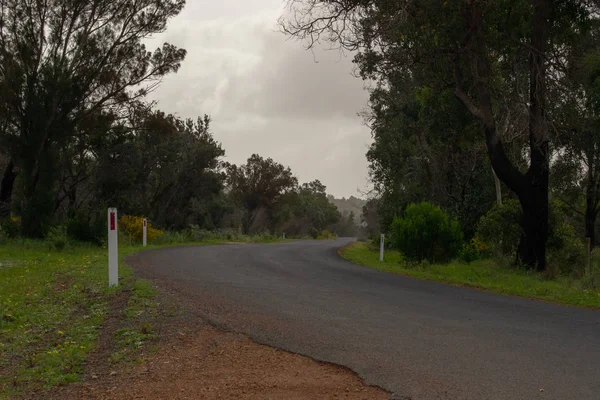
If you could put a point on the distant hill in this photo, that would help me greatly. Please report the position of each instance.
(351, 204)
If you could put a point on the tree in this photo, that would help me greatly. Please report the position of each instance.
(61, 60)
(578, 157)
(6, 186)
(485, 46)
(161, 167)
(427, 148)
(260, 185)
(311, 207)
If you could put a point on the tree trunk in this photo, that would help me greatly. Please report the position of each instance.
(498, 188)
(532, 247)
(39, 199)
(534, 196)
(6, 189)
(532, 187)
(591, 212)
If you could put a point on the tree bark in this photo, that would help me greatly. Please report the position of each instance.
(590, 229)
(534, 197)
(6, 189)
(498, 188)
(531, 187)
(591, 213)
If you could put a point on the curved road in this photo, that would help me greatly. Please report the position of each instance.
(417, 339)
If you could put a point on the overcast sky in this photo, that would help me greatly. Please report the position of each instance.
(266, 94)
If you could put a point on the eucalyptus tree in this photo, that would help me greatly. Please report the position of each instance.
(485, 50)
(61, 60)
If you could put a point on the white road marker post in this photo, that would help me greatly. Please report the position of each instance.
(144, 234)
(283, 235)
(113, 248)
(381, 243)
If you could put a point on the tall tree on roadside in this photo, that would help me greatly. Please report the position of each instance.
(162, 167)
(577, 163)
(483, 45)
(259, 185)
(61, 60)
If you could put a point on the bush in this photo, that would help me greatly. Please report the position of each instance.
(58, 238)
(11, 227)
(501, 230)
(3, 236)
(174, 237)
(314, 233)
(426, 233)
(375, 242)
(133, 227)
(566, 251)
(85, 229)
(327, 235)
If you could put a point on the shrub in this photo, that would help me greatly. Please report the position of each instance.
(174, 237)
(327, 235)
(3, 236)
(314, 233)
(375, 242)
(426, 233)
(133, 227)
(565, 249)
(57, 236)
(85, 229)
(501, 230)
(11, 227)
(468, 253)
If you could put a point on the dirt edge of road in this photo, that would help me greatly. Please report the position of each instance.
(190, 358)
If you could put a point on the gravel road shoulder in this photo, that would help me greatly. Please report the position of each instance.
(194, 360)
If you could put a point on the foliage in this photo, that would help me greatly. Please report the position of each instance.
(482, 274)
(472, 251)
(258, 187)
(66, 64)
(52, 304)
(500, 228)
(567, 250)
(450, 78)
(11, 226)
(162, 167)
(326, 235)
(57, 237)
(425, 232)
(133, 227)
(84, 227)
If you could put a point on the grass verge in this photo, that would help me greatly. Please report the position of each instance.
(481, 274)
(53, 305)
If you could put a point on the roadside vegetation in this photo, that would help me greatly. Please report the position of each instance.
(54, 299)
(486, 148)
(427, 244)
(52, 306)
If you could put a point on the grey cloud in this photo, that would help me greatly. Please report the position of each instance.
(267, 95)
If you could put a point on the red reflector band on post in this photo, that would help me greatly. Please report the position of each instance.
(112, 221)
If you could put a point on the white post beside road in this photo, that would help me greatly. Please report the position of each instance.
(284, 235)
(113, 248)
(144, 232)
(381, 242)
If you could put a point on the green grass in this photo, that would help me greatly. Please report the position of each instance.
(141, 311)
(482, 274)
(53, 304)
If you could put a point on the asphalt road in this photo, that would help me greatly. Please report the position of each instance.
(413, 338)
